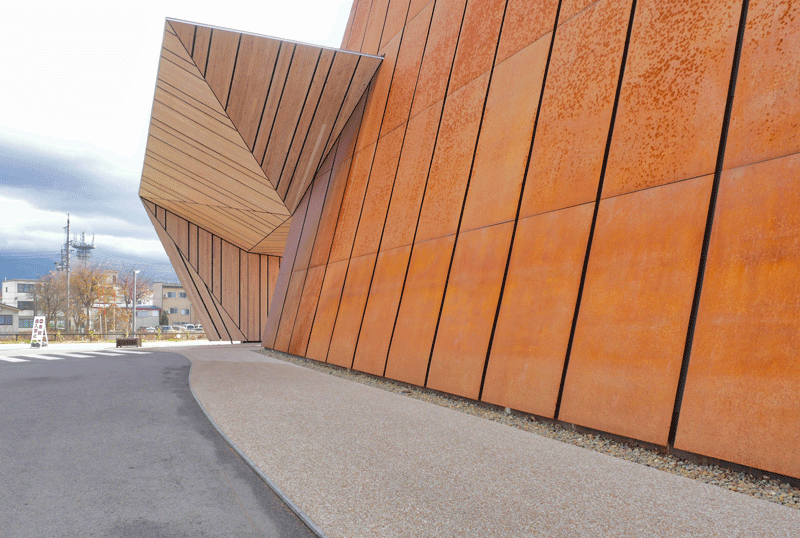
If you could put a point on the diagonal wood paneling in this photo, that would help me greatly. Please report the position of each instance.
(240, 124)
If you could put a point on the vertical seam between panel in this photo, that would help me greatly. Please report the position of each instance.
(366, 189)
(609, 138)
(208, 55)
(427, 179)
(233, 73)
(299, 119)
(266, 98)
(277, 109)
(404, 126)
(466, 189)
(712, 205)
(519, 200)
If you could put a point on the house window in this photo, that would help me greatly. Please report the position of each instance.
(170, 295)
(25, 305)
(184, 311)
(182, 295)
(173, 310)
(26, 288)
(6, 320)
(26, 324)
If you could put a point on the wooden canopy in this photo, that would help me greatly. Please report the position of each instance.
(239, 126)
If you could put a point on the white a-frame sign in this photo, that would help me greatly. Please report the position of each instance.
(39, 334)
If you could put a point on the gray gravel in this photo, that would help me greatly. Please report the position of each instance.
(762, 487)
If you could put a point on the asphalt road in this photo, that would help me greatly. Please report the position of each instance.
(116, 446)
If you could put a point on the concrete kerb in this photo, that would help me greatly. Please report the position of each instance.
(292, 506)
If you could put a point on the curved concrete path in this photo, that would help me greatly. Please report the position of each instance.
(362, 462)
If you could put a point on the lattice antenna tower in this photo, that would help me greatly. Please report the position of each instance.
(83, 249)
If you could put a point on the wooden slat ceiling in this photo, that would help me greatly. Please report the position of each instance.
(240, 125)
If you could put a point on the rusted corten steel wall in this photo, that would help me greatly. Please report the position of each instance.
(230, 288)
(588, 211)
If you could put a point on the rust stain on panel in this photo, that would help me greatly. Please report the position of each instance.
(500, 159)
(478, 41)
(525, 22)
(673, 97)
(452, 159)
(576, 109)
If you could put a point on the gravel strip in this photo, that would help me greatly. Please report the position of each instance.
(764, 487)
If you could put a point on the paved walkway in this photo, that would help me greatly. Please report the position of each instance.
(362, 462)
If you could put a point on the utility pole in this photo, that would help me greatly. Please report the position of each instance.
(67, 246)
(134, 302)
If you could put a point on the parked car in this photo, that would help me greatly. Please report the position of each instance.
(151, 329)
(189, 327)
(167, 328)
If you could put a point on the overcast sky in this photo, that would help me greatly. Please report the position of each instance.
(77, 90)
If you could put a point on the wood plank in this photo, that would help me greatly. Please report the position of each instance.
(184, 31)
(277, 84)
(310, 108)
(216, 266)
(200, 49)
(263, 293)
(251, 80)
(230, 280)
(193, 245)
(253, 331)
(243, 285)
(221, 61)
(204, 255)
(289, 109)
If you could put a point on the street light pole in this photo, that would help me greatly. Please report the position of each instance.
(134, 302)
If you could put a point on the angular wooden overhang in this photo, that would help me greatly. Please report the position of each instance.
(239, 126)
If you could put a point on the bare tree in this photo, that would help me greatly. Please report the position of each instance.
(89, 284)
(51, 296)
(144, 285)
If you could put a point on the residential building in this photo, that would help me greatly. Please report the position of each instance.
(9, 319)
(172, 299)
(21, 294)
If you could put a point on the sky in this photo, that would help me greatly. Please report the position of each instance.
(77, 89)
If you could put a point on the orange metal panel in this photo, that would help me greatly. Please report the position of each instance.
(439, 52)
(459, 353)
(351, 310)
(416, 6)
(202, 39)
(524, 23)
(500, 159)
(570, 8)
(452, 159)
(330, 214)
(398, 104)
(351, 204)
(765, 121)
(412, 173)
(571, 136)
(277, 298)
(381, 311)
(419, 311)
(289, 313)
(478, 41)
(377, 96)
(313, 215)
(629, 340)
(530, 341)
(672, 100)
(379, 192)
(224, 45)
(395, 19)
(359, 25)
(741, 402)
(326, 311)
(306, 310)
(375, 22)
(254, 69)
(230, 280)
